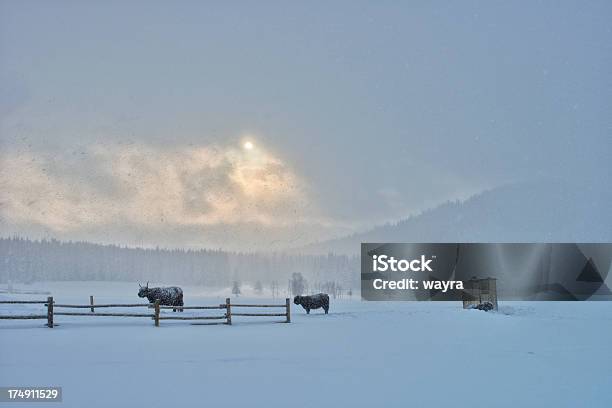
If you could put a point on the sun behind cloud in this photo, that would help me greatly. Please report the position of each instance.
(148, 185)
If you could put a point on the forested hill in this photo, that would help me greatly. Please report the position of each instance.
(533, 212)
(24, 260)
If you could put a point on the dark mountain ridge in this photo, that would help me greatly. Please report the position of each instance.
(527, 212)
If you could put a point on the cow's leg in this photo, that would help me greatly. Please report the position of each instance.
(326, 309)
(307, 311)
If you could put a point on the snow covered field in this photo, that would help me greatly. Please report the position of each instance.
(362, 354)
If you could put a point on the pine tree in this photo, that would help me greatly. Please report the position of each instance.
(258, 287)
(236, 288)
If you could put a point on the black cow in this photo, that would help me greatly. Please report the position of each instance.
(171, 296)
(313, 302)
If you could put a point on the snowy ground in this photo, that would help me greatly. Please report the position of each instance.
(361, 354)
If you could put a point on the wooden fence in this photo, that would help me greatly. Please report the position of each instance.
(156, 315)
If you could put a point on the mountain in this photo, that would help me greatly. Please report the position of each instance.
(527, 212)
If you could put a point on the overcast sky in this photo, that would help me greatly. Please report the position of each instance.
(127, 123)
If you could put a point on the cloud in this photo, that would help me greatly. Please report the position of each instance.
(149, 187)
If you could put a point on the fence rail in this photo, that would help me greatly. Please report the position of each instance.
(103, 314)
(258, 305)
(192, 317)
(191, 307)
(156, 316)
(109, 305)
(259, 314)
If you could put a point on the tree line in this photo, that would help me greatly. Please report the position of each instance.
(24, 260)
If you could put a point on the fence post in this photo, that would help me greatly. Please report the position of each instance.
(288, 306)
(50, 311)
(91, 303)
(228, 311)
(156, 312)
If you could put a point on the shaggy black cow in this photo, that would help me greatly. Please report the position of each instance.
(171, 296)
(313, 302)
